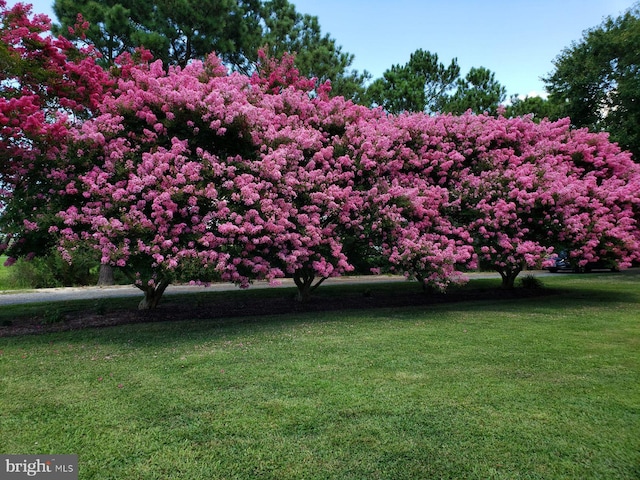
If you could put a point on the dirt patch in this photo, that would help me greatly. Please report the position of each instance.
(255, 307)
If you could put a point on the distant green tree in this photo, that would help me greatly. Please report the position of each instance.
(479, 92)
(540, 108)
(420, 85)
(425, 84)
(175, 31)
(596, 81)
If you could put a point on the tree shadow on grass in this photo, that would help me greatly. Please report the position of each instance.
(221, 309)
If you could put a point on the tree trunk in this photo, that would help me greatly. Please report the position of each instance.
(106, 276)
(303, 279)
(426, 289)
(152, 295)
(509, 276)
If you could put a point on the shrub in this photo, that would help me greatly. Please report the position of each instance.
(531, 282)
(52, 271)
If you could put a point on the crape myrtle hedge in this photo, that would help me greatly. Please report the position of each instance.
(239, 178)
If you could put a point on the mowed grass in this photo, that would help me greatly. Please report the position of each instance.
(533, 388)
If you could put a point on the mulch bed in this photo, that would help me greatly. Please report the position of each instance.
(232, 309)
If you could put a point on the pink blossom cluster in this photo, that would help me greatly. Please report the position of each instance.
(194, 165)
(46, 84)
(243, 178)
(34, 114)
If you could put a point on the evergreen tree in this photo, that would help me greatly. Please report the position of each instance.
(178, 31)
(479, 92)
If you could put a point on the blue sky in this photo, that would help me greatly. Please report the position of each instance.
(516, 39)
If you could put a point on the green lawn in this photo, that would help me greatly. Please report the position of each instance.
(538, 388)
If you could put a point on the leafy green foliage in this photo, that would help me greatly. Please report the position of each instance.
(317, 55)
(174, 31)
(539, 108)
(425, 84)
(53, 271)
(531, 282)
(479, 92)
(420, 85)
(596, 81)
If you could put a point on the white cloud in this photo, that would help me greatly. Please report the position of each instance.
(534, 93)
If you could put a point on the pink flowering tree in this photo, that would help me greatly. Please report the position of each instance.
(524, 192)
(421, 242)
(430, 245)
(314, 174)
(407, 207)
(46, 85)
(498, 184)
(170, 185)
(595, 190)
(514, 190)
(196, 169)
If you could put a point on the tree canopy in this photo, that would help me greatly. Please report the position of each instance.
(421, 85)
(596, 81)
(427, 85)
(179, 31)
(539, 108)
(478, 91)
(46, 84)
